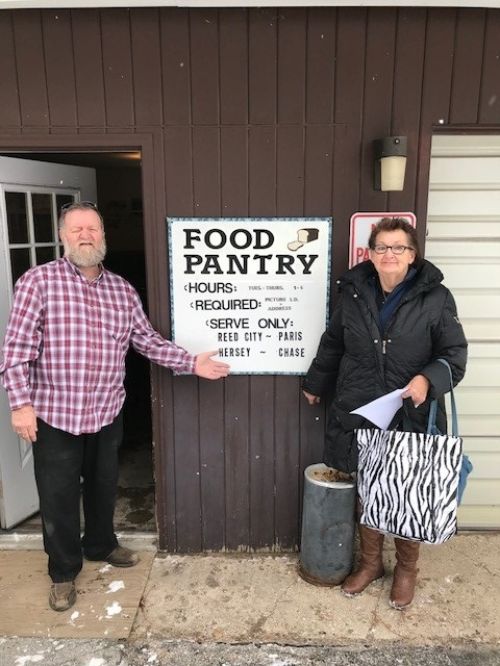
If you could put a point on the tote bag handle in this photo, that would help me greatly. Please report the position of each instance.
(431, 423)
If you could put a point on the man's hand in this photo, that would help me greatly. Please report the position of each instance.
(24, 423)
(209, 369)
(417, 390)
(311, 399)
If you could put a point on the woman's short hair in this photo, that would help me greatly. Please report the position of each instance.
(394, 224)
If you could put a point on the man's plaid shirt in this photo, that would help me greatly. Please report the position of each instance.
(66, 342)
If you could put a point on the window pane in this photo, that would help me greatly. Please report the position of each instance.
(20, 262)
(17, 217)
(42, 217)
(62, 199)
(44, 254)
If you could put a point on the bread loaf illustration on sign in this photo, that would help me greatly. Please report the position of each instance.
(303, 236)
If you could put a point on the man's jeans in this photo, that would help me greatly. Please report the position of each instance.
(60, 460)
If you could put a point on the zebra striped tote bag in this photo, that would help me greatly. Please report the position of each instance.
(408, 482)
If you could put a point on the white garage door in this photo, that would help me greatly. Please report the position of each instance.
(463, 240)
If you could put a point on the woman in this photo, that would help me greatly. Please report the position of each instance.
(392, 320)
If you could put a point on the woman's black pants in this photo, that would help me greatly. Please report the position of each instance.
(61, 459)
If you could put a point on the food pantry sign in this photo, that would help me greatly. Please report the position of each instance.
(361, 228)
(254, 288)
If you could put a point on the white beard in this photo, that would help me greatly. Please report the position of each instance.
(86, 256)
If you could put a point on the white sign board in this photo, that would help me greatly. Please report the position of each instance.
(361, 228)
(254, 288)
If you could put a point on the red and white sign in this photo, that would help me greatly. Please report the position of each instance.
(361, 228)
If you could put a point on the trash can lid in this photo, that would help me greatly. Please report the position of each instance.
(321, 475)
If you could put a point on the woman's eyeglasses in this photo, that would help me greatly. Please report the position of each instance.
(78, 204)
(395, 249)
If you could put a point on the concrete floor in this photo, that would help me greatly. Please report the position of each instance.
(261, 598)
(106, 605)
(228, 609)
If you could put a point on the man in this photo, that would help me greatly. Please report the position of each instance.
(63, 366)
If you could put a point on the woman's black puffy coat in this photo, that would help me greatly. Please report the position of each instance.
(360, 363)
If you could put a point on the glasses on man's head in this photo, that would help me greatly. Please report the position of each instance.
(78, 204)
(395, 249)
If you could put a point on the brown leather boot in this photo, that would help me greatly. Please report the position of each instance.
(370, 566)
(405, 573)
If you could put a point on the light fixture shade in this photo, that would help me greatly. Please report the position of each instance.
(390, 163)
(392, 173)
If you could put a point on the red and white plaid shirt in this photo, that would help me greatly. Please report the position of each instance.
(66, 342)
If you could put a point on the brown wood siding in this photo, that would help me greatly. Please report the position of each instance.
(10, 112)
(88, 74)
(256, 112)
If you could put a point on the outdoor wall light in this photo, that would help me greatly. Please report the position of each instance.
(390, 163)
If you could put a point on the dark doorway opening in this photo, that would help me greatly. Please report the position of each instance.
(119, 197)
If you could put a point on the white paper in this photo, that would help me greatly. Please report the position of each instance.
(381, 411)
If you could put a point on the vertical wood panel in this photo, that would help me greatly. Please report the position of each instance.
(438, 64)
(187, 465)
(489, 108)
(262, 49)
(89, 79)
(467, 63)
(205, 66)
(206, 165)
(291, 65)
(317, 201)
(378, 98)
(154, 207)
(261, 462)
(262, 171)
(117, 61)
(31, 68)
(290, 198)
(290, 166)
(234, 171)
(212, 480)
(321, 36)
(237, 426)
(10, 114)
(206, 174)
(287, 460)
(179, 189)
(233, 38)
(146, 66)
(408, 76)
(58, 40)
(262, 201)
(179, 176)
(318, 170)
(176, 65)
(350, 62)
(212, 395)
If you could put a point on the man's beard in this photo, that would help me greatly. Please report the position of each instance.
(86, 256)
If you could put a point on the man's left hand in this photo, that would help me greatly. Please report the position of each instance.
(209, 369)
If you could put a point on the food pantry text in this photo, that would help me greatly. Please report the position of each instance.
(255, 288)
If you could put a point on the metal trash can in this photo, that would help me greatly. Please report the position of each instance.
(328, 526)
